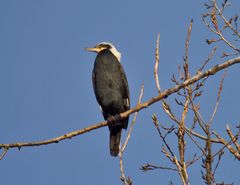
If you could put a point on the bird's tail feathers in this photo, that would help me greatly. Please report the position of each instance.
(115, 138)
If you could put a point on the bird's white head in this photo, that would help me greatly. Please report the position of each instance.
(106, 45)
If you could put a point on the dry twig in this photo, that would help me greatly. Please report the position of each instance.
(233, 138)
(127, 181)
(156, 65)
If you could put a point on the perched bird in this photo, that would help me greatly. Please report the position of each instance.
(111, 90)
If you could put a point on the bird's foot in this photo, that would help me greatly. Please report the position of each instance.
(114, 120)
(110, 120)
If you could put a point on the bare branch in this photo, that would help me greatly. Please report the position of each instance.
(139, 107)
(56, 139)
(226, 21)
(216, 30)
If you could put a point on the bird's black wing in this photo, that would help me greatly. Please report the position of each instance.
(94, 87)
(126, 94)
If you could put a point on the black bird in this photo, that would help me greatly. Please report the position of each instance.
(111, 90)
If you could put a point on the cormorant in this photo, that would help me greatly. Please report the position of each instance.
(111, 89)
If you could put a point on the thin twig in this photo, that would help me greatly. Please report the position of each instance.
(186, 62)
(4, 153)
(127, 181)
(133, 121)
(218, 162)
(208, 59)
(233, 138)
(167, 109)
(227, 145)
(218, 97)
(123, 178)
(226, 21)
(209, 158)
(156, 65)
(148, 167)
(155, 121)
(179, 171)
(216, 29)
(195, 142)
(189, 163)
(198, 115)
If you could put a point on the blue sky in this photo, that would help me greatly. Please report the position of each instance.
(46, 88)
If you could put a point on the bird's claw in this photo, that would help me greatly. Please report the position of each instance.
(110, 120)
(114, 120)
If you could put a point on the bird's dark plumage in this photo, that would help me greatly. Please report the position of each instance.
(112, 93)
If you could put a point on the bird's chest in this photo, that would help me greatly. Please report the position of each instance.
(107, 83)
(106, 75)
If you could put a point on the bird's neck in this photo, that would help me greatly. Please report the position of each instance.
(116, 53)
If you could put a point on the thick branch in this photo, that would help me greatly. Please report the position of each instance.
(139, 107)
(175, 89)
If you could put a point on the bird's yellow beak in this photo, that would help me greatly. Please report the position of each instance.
(94, 49)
